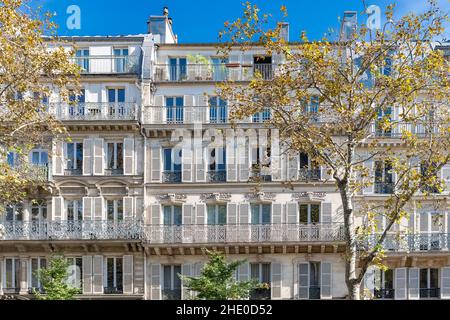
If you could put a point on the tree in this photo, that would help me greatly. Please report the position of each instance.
(55, 281)
(217, 280)
(374, 96)
(30, 72)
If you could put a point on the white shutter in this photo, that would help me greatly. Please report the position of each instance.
(232, 216)
(87, 157)
(87, 274)
(200, 213)
(326, 213)
(186, 270)
(187, 160)
(413, 284)
(202, 110)
(98, 208)
(292, 213)
(324, 175)
(369, 281)
(58, 158)
(128, 274)
(155, 155)
(400, 283)
(292, 167)
(326, 280)
(139, 208)
(277, 213)
(412, 223)
(98, 157)
(87, 209)
(128, 156)
(155, 281)
(369, 164)
(244, 272)
(57, 208)
(275, 162)
(303, 280)
(158, 111)
(243, 156)
(188, 214)
(97, 272)
(445, 283)
(128, 208)
(276, 281)
(155, 212)
(231, 158)
(200, 163)
(189, 112)
(244, 213)
(445, 175)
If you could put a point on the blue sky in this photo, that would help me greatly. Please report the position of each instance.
(201, 20)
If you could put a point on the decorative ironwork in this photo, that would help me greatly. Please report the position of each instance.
(217, 176)
(309, 174)
(384, 293)
(73, 172)
(410, 242)
(94, 111)
(112, 290)
(429, 293)
(172, 176)
(260, 196)
(215, 197)
(172, 197)
(114, 172)
(107, 64)
(309, 196)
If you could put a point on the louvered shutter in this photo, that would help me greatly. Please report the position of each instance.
(155, 281)
(292, 213)
(276, 283)
(292, 167)
(98, 208)
(186, 270)
(155, 168)
(244, 272)
(158, 115)
(87, 274)
(128, 274)
(400, 283)
(243, 156)
(445, 283)
(187, 160)
(200, 163)
(128, 155)
(97, 271)
(413, 284)
(128, 208)
(231, 158)
(326, 213)
(98, 157)
(57, 208)
(326, 280)
(303, 280)
(275, 156)
(58, 158)
(189, 109)
(87, 157)
(87, 209)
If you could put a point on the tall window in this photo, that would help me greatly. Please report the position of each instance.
(120, 60)
(261, 273)
(309, 280)
(75, 271)
(114, 210)
(261, 159)
(383, 177)
(114, 275)
(74, 157)
(39, 157)
(309, 169)
(35, 265)
(171, 282)
(82, 59)
(261, 116)
(12, 274)
(116, 101)
(262, 65)
(77, 104)
(172, 165)
(217, 214)
(177, 69)
(384, 284)
(39, 210)
(309, 213)
(217, 166)
(13, 159)
(74, 210)
(311, 108)
(383, 116)
(172, 215)
(218, 111)
(428, 169)
(14, 213)
(115, 157)
(261, 213)
(219, 69)
(174, 109)
(431, 226)
(429, 283)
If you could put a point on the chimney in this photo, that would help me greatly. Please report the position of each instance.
(161, 27)
(348, 25)
(166, 12)
(284, 32)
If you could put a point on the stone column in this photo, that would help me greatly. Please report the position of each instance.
(23, 275)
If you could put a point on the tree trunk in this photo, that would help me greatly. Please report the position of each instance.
(354, 290)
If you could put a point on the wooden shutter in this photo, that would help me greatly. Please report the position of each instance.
(188, 108)
(186, 270)
(412, 223)
(277, 213)
(445, 283)
(200, 213)
(232, 216)
(58, 158)
(155, 168)
(57, 208)
(98, 208)
(326, 280)
(292, 213)
(400, 283)
(188, 214)
(87, 274)
(243, 156)
(187, 160)
(276, 283)
(155, 281)
(155, 212)
(97, 272)
(157, 111)
(87, 157)
(231, 158)
(128, 274)
(128, 156)
(98, 157)
(244, 213)
(244, 272)
(87, 208)
(413, 284)
(303, 280)
(202, 111)
(326, 213)
(128, 208)
(200, 163)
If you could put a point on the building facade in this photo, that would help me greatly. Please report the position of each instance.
(155, 173)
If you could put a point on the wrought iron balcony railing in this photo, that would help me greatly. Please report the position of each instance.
(169, 294)
(243, 233)
(171, 176)
(425, 293)
(397, 129)
(309, 174)
(108, 64)
(112, 290)
(383, 187)
(217, 176)
(260, 294)
(114, 172)
(314, 292)
(73, 172)
(94, 111)
(212, 72)
(411, 242)
(384, 293)
(71, 230)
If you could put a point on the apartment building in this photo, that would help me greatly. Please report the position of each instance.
(155, 173)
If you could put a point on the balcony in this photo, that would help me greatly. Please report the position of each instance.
(94, 111)
(112, 290)
(114, 172)
(411, 242)
(242, 233)
(384, 187)
(73, 172)
(427, 293)
(217, 176)
(171, 294)
(397, 129)
(171, 177)
(70, 230)
(384, 293)
(212, 72)
(108, 64)
(260, 294)
(306, 174)
(261, 174)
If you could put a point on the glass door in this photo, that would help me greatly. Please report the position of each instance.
(120, 60)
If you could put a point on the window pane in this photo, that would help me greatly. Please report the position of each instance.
(110, 209)
(121, 95)
(110, 156)
(34, 270)
(423, 278)
(110, 272)
(314, 272)
(167, 277)
(266, 213)
(177, 215)
(167, 215)
(119, 210)
(9, 273)
(254, 271)
(304, 213)
(119, 156)
(177, 160)
(434, 283)
(315, 213)
(79, 155)
(222, 214)
(389, 279)
(119, 273)
(265, 273)
(211, 209)
(255, 214)
(176, 278)
(70, 156)
(167, 159)
(111, 95)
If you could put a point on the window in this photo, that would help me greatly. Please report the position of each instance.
(75, 271)
(172, 165)
(82, 59)
(261, 213)
(219, 68)
(217, 166)
(261, 159)
(311, 108)
(12, 274)
(114, 159)
(262, 116)
(383, 115)
(383, 177)
(171, 282)
(177, 69)
(217, 214)
(39, 210)
(429, 283)
(384, 284)
(39, 157)
(35, 265)
(218, 111)
(172, 215)
(428, 170)
(262, 65)
(77, 103)
(116, 101)
(431, 226)
(114, 276)
(314, 280)
(120, 60)
(13, 159)
(14, 213)
(309, 169)
(74, 210)
(309, 213)
(309, 280)
(74, 158)
(114, 210)
(174, 109)
(261, 273)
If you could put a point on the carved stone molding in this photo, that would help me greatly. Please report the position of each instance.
(172, 198)
(260, 196)
(215, 197)
(309, 196)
